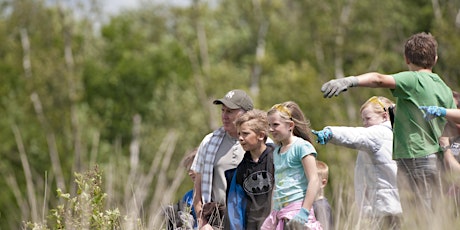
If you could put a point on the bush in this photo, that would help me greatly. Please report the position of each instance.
(85, 210)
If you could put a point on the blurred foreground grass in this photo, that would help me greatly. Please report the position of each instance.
(87, 209)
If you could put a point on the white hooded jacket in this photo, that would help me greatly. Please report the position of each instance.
(376, 192)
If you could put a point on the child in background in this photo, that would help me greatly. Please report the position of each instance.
(187, 199)
(321, 206)
(253, 179)
(182, 214)
(296, 176)
(375, 182)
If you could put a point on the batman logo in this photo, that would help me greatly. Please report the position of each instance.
(258, 183)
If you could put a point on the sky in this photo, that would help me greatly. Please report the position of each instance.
(114, 6)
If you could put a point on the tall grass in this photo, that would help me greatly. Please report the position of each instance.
(87, 209)
(99, 204)
(446, 214)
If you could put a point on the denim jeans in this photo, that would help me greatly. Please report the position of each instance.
(418, 182)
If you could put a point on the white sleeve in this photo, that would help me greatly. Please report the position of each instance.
(360, 138)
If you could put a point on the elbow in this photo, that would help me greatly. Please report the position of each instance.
(378, 80)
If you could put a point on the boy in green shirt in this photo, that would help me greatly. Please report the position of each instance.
(415, 145)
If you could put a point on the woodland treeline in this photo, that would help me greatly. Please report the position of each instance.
(132, 93)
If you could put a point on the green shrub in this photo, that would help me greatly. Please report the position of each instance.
(85, 210)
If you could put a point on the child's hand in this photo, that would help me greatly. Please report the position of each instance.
(323, 135)
(300, 220)
(433, 112)
(336, 86)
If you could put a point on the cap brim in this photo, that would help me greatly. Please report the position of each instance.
(227, 103)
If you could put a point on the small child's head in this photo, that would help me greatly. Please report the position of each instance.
(323, 172)
(375, 110)
(421, 50)
(187, 162)
(252, 128)
(291, 118)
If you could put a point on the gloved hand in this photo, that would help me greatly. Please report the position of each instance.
(433, 112)
(299, 220)
(334, 87)
(323, 135)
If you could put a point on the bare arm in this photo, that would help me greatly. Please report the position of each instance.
(450, 162)
(309, 166)
(453, 115)
(197, 202)
(376, 80)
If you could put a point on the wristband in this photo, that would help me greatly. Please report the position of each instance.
(444, 148)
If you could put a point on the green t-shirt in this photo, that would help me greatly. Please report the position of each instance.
(413, 136)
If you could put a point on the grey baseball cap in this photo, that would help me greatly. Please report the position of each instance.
(236, 99)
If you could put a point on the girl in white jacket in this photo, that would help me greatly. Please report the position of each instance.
(376, 192)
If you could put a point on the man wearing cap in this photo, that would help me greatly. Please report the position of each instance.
(218, 152)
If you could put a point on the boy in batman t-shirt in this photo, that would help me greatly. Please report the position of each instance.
(250, 190)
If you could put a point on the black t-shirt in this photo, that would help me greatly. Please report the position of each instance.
(257, 180)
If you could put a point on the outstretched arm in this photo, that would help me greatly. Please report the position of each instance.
(453, 115)
(376, 80)
(372, 80)
(432, 112)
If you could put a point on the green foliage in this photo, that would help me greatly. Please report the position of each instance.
(137, 62)
(83, 211)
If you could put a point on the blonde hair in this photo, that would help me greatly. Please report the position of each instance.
(378, 104)
(290, 111)
(256, 120)
(323, 170)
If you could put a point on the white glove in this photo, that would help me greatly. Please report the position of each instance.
(334, 87)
